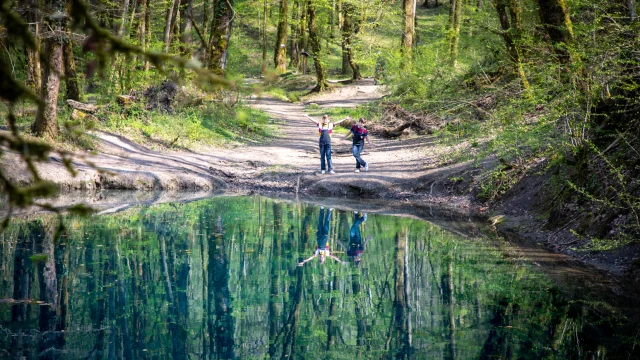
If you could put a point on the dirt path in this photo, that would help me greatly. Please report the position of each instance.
(290, 162)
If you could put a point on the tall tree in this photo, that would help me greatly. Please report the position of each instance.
(264, 37)
(295, 34)
(314, 40)
(455, 15)
(186, 24)
(280, 51)
(70, 73)
(349, 10)
(219, 37)
(631, 8)
(123, 17)
(512, 33)
(46, 123)
(409, 11)
(30, 14)
(173, 6)
(555, 18)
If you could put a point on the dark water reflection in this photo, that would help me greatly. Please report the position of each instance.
(249, 278)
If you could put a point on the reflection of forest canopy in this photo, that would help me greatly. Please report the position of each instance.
(218, 278)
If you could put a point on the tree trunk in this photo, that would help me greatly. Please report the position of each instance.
(295, 50)
(123, 17)
(409, 10)
(168, 24)
(555, 18)
(347, 36)
(314, 41)
(71, 77)
(264, 38)
(34, 74)
(455, 16)
(186, 9)
(512, 34)
(220, 32)
(46, 123)
(142, 26)
(145, 33)
(631, 7)
(280, 51)
(479, 5)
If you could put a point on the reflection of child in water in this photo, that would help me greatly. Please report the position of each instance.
(356, 245)
(322, 247)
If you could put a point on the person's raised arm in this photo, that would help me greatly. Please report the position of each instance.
(306, 260)
(345, 119)
(312, 119)
(341, 244)
(335, 258)
(368, 141)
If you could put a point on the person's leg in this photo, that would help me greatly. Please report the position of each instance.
(327, 220)
(322, 162)
(356, 150)
(319, 233)
(327, 150)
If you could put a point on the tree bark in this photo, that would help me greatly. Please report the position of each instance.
(46, 123)
(34, 74)
(71, 76)
(631, 7)
(264, 38)
(347, 36)
(280, 51)
(512, 34)
(220, 32)
(295, 49)
(555, 18)
(186, 9)
(168, 24)
(409, 10)
(314, 40)
(455, 15)
(123, 17)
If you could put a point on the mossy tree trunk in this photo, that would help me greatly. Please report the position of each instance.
(314, 41)
(186, 25)
(349, 10)
(455, 16)
(145, 30)
(295, 35)
(280, 51)
(46, 123)
(70, 73)
(409, 11)
(555, 18)
(220, 32)
(631, 8)
(512, 33)
(34, 72)
(263, 69)
(168, 24)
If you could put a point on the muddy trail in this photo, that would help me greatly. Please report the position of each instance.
(289, 162)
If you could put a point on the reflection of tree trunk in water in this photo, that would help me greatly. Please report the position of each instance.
(175, 323)
(52, 340)
(447, 298)
(182, 298)
(220, 324)
(275, 277)
(22, 282)
(331, 331)
(294, 319)
(121, 304)
(360, 323)
(96, 301)
(401, 324)
(497, 344)
(203, 240)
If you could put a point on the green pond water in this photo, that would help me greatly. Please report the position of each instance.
(221, 278)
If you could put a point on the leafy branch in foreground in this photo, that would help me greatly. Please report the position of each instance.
(99, 41)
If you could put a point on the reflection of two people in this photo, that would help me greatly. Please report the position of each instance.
(355, 248)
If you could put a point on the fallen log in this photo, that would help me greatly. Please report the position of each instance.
(87, 108)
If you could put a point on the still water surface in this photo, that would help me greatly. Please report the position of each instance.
(254, 278)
